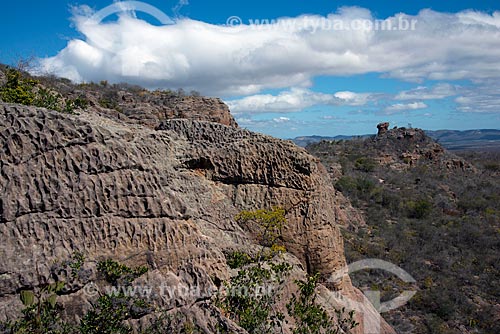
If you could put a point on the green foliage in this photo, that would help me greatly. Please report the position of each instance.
(76, 264)
(419, 209)
(492, 166)
(252, 295)
(18, 89)
(238, 259)
(109, 104)
(361, 187)
(433, 222)
(472, 204)
(267, 222)
(76, 103)
(114, 271)
(109, 100)
(41, 313)
(22, 89)
(176, 323)
(365, 185)
(365, 164)
(108, 313)
(46, 98)
(313, 319)
(346, 184)
(107, 316)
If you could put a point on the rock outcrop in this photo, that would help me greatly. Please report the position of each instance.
(403, 148)
(151, 108)
(165, 198)
(131, 104)
(382, 128)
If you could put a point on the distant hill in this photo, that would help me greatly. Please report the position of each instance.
(484, 139)
(454, 140)
(306, 140)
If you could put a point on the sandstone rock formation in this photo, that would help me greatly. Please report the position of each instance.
(382, 128)
(163, 197)
(403, 148)
(152, 108)
(133, 104)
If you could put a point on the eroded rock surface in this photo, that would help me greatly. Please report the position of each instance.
(165, 198)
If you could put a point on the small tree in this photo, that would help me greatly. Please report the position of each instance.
(269, 223)
(310, 317)
(251, 295)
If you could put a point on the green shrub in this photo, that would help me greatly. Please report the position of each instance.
(46, 98)
(114, 271)
(492, 166)
(346, 184)
(419, 209)
(268, 223)
(176, 323)
(392, 202)
(42, 313)
(365, 164)
(18, 89)
(76, 264)
(245, 302)
(25, 90)
(252, 296)
(310, 317)
(110, 100)
(76, 103)
(238, 259)
(365, 185)
(107, 316)
(473, 204)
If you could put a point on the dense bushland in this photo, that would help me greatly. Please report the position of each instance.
(441, 225)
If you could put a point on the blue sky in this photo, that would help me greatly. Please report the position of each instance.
(323, 69)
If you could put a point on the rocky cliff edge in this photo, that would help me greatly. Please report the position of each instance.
(165, 198)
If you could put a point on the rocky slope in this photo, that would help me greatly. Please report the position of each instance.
(431, 212)
(398, 148)
(164, 197)
(132, 104)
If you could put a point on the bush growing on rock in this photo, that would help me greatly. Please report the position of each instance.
(21, 88)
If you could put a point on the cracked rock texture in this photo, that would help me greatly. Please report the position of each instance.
(163, 197)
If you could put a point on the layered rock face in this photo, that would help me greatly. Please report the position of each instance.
(165, 198)
(151, 108)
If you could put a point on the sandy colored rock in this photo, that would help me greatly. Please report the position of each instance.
(165, 198)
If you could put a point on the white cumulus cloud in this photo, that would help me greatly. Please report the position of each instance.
(281, 120)
(294, 100)
(480, 99)
(404, 107)
(439, 91)
(246, 59)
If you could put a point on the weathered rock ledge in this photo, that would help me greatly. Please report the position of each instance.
(163, 197)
